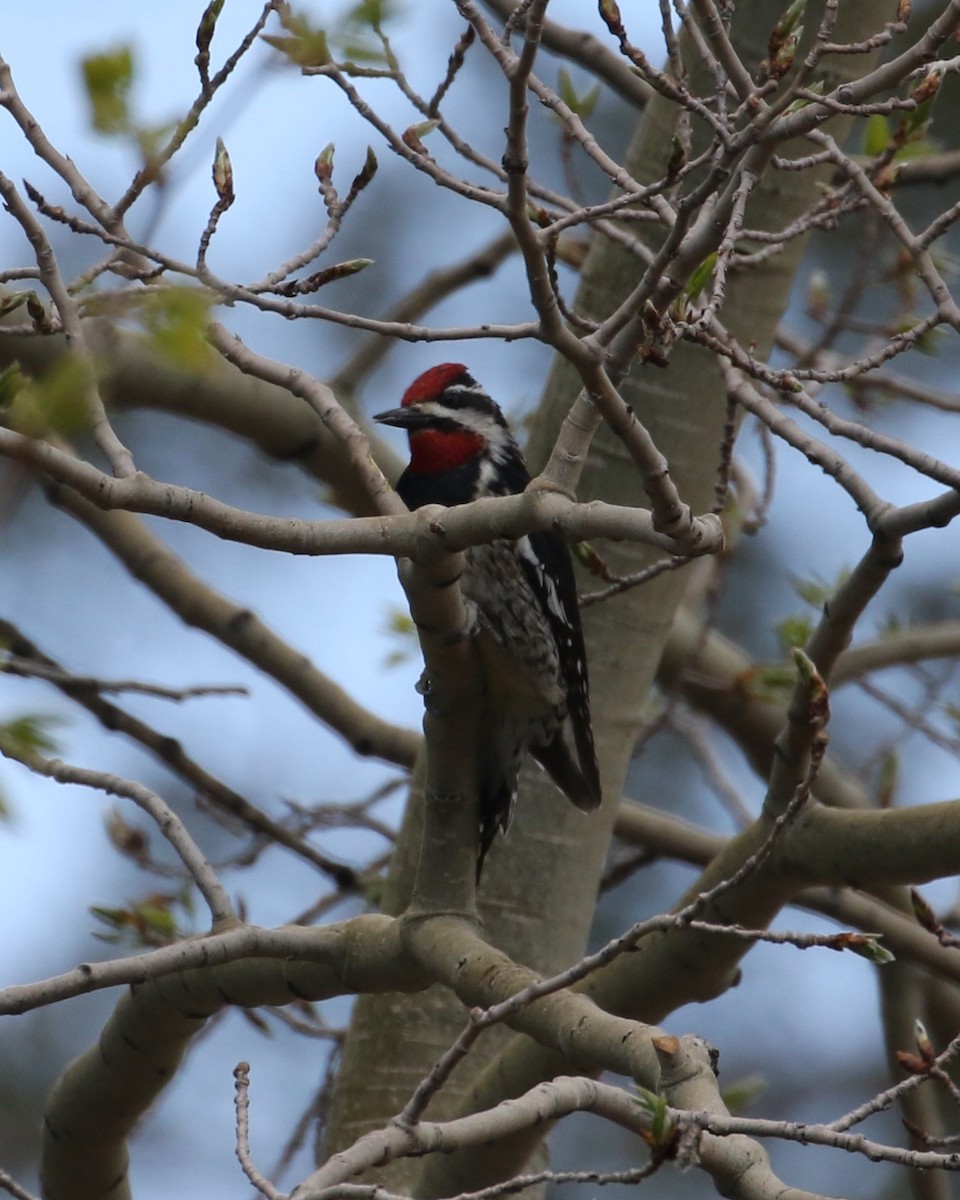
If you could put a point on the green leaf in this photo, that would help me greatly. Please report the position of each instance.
(107, 78)
(303, 51)
(11, 301)
(29, 734)
(918, 145)
(131, 841)
(929, 343)
(588, 101)
(812, 591)
(52, 403)
(789, 23)
(817, 88)
(151, 139)
(794, 631)
(158, 920)
(742, 1092)
(176, 319)
(655, 1108)
(355, 51)
(768, 683)
(370, 13)
(565, 88)
(305, 45)
(400, 623)
(583, 105)
(816, 592)
(877, 136)
(146, 922)
(352, 32)
(700, 277)
(113, 918)
(401, 629)
(12, 382)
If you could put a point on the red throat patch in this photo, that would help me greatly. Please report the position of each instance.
(434, 450)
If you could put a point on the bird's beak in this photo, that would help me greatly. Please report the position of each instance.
(404, 418)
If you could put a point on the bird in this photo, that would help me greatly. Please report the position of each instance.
(528, 630)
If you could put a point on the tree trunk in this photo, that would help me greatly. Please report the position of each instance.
(540, 884)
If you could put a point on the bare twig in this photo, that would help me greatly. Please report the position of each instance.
(10, 1185)
(241, 1075)
(118, 455)
(169, 824)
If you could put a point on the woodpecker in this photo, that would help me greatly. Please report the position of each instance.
(529, 634)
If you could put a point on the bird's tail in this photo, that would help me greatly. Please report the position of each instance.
(501, 751)
(575, 774)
